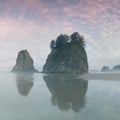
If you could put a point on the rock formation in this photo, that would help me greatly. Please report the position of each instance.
(67, 56)
(105, 69)
(116, 68)
(24, 62)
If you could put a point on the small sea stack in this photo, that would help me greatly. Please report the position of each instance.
(105, 69)
(24, 62)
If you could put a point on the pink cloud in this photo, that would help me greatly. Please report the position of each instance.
(97, 20)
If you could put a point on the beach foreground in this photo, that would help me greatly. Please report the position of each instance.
(43, 97)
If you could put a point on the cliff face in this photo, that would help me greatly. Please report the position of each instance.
(24, 62)
(67, 57)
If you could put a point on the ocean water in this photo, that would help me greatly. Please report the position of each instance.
(59, 97)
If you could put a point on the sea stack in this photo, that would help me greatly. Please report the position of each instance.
(67, 55)
(105, 69)
(24, 62)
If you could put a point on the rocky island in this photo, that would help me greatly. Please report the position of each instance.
(24, 62)
(116, 68)
(105, 69)
(67, 55)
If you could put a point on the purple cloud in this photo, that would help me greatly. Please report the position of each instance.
(32, 24)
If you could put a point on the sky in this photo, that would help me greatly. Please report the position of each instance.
(32, 24)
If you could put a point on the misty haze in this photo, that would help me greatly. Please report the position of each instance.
(59, 60)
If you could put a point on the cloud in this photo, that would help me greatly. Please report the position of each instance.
(19, 34)
(32, 24)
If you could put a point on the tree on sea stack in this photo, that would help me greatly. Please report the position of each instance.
(52, 44)
(69, 55)
(76, 37)
(61, 40)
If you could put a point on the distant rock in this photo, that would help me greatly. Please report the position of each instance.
(105, 69)
(116, 68)
(24, 62)
(67, 56)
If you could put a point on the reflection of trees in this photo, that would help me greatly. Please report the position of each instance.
(67, 93)
(24, 83)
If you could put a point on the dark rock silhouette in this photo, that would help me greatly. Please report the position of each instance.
(67, 92)
(24, 83)
(24, 62)
(67, 56)
(116, 68)
(105, 69)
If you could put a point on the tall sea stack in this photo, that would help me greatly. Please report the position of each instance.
(24, 62)
(67, 55)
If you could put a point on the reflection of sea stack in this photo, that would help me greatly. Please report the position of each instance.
(24, 62)
(67, 93)
(67, 55)
(24, 83)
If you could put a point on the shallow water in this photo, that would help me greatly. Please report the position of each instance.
(56, 97)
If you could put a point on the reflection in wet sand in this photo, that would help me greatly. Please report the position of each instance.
(67, 92)
(24, 83)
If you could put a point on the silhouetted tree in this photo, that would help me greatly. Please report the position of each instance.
(52, 44)
(75, 37)
(62, 39)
